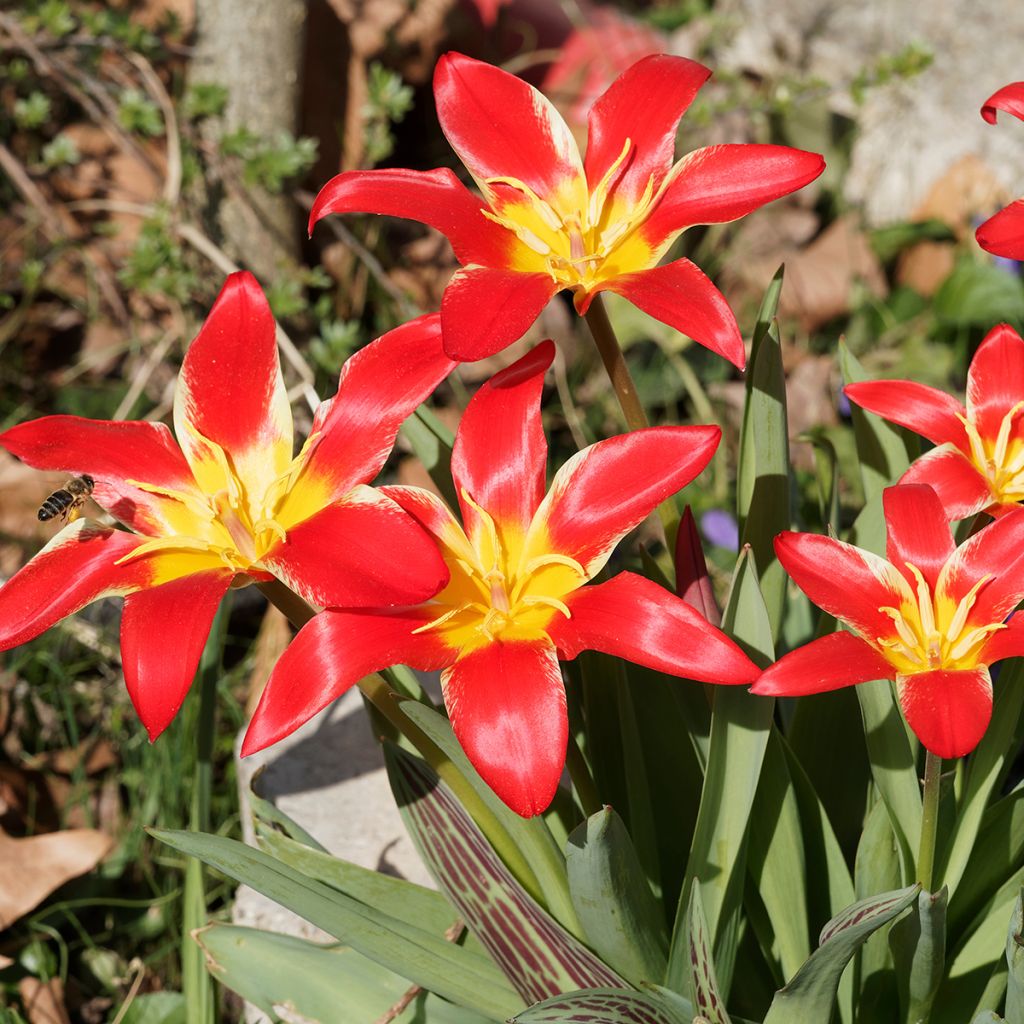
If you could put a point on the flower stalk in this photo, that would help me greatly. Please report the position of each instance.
(929, 821)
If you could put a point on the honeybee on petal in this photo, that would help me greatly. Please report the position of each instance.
(67, 501)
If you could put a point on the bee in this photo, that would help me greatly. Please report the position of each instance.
(67, 501)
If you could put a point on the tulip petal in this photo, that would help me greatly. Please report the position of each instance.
(925, 410)
(231, 392)
(78, 566)
(436, 198)
(363, 552)
(828, 663)
(995, 381)
(484, 309)
(643, 105)
(604, 491)
(163, 631)
(353, 432)
(693, 582)
(962, 490)
(1010, 98)
(681, 295)
(1003, 234)
(507, 707)
(435, 517)
(997, 552)
(500, 453)
(722, 183)
(843, 580)
(112, 453)
(918, 531)
(1005, 643)
(331, 653)
(633, 618)
(948, 711)
(502, 127)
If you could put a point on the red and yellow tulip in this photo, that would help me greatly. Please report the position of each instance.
(232, 504)
(1003, 234)
(929, 616)
(516, 601)
(978, 462)
(550, 220)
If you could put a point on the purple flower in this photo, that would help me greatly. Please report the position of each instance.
(720, 528)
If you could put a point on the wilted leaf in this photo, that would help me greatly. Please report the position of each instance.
(43, 1000)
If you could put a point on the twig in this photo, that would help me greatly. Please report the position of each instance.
(141, 377)
(140, 968)
(572, 415)
(172, 183)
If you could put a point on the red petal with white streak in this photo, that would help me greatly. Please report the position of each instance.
(948, 711)
(354, 432)
(721, 183)
(997, 552)
(436, 198)
(1003, 234)
(500, 453)
(363, 553)
(231, 391)
(633, 618)
(962, 490)
(1010, 98)
(828, 663)
(925, 410)
(838, 578)
(604, 491)
(331, 653)
(76, 568)
(995, 380)
(918, 532)
(507, 707)
(111, 452)
(484, 310)
(681, 295)
(502, 127)
(163, 632)
(644, 105)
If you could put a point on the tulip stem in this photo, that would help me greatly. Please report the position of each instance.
(929, 821)
(615, 364)
(625, 390)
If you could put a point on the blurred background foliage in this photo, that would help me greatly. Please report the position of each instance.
(147, 148)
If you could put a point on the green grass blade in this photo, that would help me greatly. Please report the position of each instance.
(918, 943)
(432, 442)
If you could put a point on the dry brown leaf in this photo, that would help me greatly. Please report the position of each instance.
(44, 1001)
(37, 865)
(274, 636)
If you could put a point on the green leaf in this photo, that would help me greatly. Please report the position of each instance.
(889, 241)
(809, 996)
(988, 1017)
(538, 956)
(530, 838)
(893, 765)
(703, 985)
(740, 726)
(762, 481)
(986, 769)
(979, 294)
(918, 943)
(432, 442)
(622, 922)
(884, 451)
(294, 979)
(775, 859)
(605, 1006)
(1015, 964)
(451, 971)
(156, 1008)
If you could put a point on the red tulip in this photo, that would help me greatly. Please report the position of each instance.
(517, 599)
(231, 505)
(931, 616)
(1003, 234)
(550, 220)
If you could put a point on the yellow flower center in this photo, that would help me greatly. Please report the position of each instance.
(932, 632)
(579, 237)
(497, 591)
(1000, 461)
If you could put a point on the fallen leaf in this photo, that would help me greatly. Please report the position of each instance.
(37, 865)
(44, 1001)
(273, 637)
